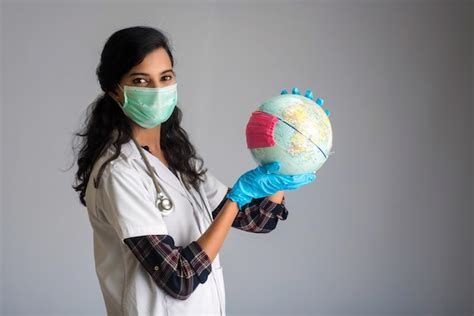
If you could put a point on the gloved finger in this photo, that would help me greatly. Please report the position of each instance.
(299, 180)
(304, 178)
(290, 187)
(328, 113)
(309, 94)
(288, 182)
(320, 102)
(277, 182)
(294, 185)
(296, 91)
(271, 167)
(284, 91)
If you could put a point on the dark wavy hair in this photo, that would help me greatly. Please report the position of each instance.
(106, 124)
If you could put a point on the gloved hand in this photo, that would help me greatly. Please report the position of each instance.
(309, 95)
(262, 182)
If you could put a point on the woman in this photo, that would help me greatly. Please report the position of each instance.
(152, 258)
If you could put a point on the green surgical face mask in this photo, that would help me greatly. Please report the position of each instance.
(149, 107)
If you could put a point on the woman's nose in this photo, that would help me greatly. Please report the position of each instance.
(155, 84)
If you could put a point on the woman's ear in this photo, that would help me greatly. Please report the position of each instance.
(114, 95)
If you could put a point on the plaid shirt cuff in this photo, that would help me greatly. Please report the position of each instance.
(198, 259)
(177, 270)
(259, 216)
(276, 209)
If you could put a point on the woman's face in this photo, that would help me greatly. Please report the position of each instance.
(155, 71)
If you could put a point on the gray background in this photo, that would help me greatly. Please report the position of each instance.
(386, 229)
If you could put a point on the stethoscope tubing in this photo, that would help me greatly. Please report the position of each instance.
(164, 204)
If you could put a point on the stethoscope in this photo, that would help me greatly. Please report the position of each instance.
(163, 203)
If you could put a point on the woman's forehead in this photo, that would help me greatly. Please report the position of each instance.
(155, 62)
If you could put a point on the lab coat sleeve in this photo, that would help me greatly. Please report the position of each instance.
(215, 190)
(126, 205)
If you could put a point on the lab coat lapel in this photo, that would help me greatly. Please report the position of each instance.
(165, 174)
(159, 169)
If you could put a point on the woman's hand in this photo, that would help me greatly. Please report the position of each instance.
(262, 182)
(309, 95)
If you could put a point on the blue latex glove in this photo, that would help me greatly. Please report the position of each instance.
(262, 182)
(309, 95)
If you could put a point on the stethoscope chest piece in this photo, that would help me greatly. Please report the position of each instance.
(164, 204)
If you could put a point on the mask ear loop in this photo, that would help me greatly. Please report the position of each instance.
(116, 99)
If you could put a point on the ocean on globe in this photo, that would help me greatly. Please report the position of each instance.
(291, 129)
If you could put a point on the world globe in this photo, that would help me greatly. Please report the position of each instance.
(291, 129)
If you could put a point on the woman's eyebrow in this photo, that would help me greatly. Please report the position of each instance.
(163, 72)
(145, 74)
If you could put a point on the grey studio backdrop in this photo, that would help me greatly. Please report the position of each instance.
(387, 227)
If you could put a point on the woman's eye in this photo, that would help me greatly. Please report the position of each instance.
(139, 81)
(170, 77)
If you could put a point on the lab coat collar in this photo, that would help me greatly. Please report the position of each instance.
(162, 172)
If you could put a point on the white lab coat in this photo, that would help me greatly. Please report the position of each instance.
(124, 206)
